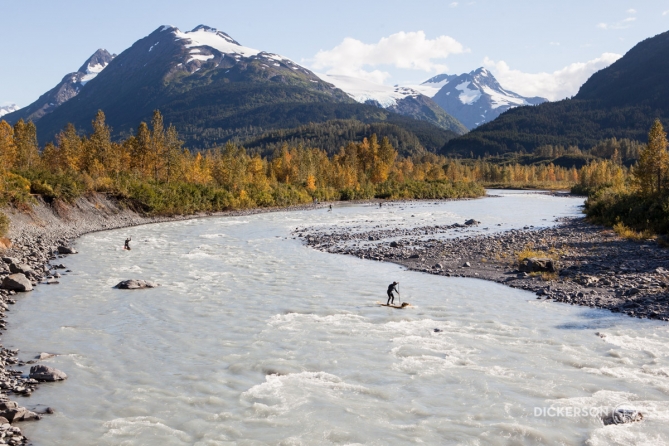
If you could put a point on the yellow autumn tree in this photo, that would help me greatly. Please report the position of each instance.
(7, 147)
(651, 170)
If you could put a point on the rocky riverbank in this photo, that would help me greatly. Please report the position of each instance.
(593, 266)
(41, 239)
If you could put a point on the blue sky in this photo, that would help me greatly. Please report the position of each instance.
(537, 47)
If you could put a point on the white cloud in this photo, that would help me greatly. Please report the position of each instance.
(554, 43)
(631, 11)
(553, 86)
(454, 5)
(408, 50)
(665, 12)
(625, 23)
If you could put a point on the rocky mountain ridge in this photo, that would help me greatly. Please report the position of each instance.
(67, 88)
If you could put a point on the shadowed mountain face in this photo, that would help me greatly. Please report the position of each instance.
(66, 89)
(620, 101)
(212, 88)
(476, 98)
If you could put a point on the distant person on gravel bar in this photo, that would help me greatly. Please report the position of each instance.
(391, 297)
(127, 243)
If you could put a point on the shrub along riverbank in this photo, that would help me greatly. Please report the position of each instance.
(637, 205)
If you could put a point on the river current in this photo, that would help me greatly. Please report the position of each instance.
(254, 339)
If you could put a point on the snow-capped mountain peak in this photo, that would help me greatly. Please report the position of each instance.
(5, 109)
(205, 43)
(205, 36)
(94, 65)
(476, 97)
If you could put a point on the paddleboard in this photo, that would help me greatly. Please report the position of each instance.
(399, 307)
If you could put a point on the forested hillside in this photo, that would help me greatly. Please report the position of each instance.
(408, 136)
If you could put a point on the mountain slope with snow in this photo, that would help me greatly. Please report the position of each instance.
(475, 98)
(432, 86)
(402, 100)
(66, 89)
(6, 109)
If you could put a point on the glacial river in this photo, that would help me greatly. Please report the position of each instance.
(255, 339)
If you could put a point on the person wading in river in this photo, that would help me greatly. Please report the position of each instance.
(127, 243)
(391, 297)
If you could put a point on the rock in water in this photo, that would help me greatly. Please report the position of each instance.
(66, 250)
(623, 414)
(16, 282)
(537, 265)
(46, 373)
(471, 222)
(12, 412)
(134, 284)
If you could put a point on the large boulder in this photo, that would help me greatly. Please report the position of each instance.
(10, 260)
(66, 250)
(13, 412)
(22, 268)
(134, 284)
(16, 282)
(46, 373)
(537, 265)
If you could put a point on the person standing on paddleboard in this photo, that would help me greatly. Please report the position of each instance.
(391, 297)
(127, 243)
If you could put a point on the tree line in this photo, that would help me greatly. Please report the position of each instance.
(152, 170)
